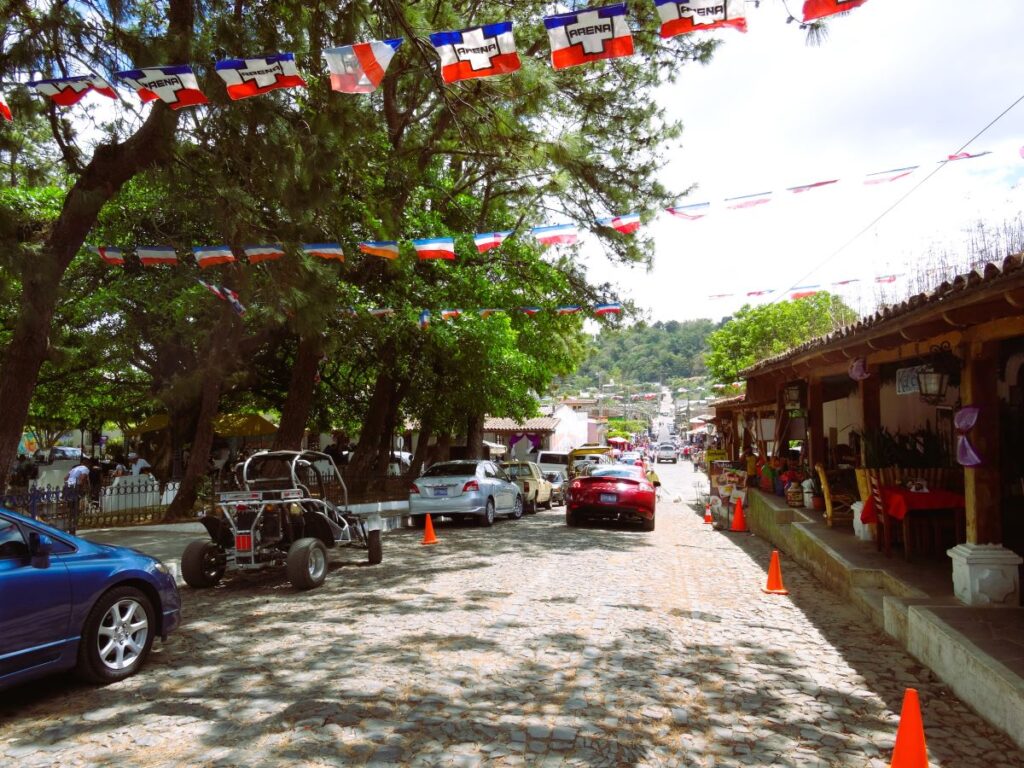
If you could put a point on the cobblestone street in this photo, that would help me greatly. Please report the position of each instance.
(529, 643)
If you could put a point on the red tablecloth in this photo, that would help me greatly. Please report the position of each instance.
(898, 501)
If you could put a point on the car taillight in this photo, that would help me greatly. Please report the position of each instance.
(413, 488)
(576, 485)
(472, 485)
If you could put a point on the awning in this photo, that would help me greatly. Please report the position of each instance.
(495, 447)
(225, 425)
(617, 440)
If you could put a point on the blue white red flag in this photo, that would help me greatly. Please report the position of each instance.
(720, 296)
(425, 318)
(349, 312)
(590, 35)
(966, 156)
(489, 312)
(326, 251)
(886, 279)
(802, 295)
(568, 309)
(215, 290)
(531, 311)
(175, 86)
(690, 212)
(386, 249)
(478, 52)
(112, 256)
(212, 255)
(881, 177)
(450, 314)
(232, 298)
(257, 253)
(435, 248)
(808, 187)
(485, 241)
(678, 17)
(252, 77)
(559, 234)
(5, 111)
(385, 312)
(758, 293)
(748, 201)
(360, 68)
(66, 91)
(627, 224)
(151, 256)
(612, 308)
(819, 9)
(847, 282)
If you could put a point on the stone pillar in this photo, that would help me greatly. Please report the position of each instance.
(986, 575)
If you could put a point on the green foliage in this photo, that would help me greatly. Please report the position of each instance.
(757, 333)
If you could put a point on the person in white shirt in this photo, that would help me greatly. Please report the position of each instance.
(139, 464)
(79, 475)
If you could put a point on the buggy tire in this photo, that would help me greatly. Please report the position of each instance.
(117, 636)
(376, 549)
(307, 563)
(202, 564)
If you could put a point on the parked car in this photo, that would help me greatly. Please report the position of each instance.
(531, 481)
(559, 482)
(71, 604)
(292, 508)
(630, 457)
(666, 452)
(620, 492)
(474, 489)
(553, 461)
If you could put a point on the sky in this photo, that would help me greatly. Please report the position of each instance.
(897, 83)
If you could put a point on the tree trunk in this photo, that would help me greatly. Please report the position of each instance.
(295, 415)
(422, 445)
(112, 165)
(374, 422)
(202, 441)
(475, 437)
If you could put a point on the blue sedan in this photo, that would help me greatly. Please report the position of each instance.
(66, 603)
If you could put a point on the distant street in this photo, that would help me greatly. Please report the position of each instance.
(525, 644)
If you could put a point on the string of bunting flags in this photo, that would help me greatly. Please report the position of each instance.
(806, 291)
(575, 38)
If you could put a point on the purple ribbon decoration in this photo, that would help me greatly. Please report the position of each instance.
(964, 422)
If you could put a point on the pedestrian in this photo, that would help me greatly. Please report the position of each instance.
(76, 485)
(653, 479)
(95, 479)
(139, 464)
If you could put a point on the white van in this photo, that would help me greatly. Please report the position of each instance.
(553, 461)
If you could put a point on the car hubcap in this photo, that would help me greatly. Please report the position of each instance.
(122, 634)
(317, 562)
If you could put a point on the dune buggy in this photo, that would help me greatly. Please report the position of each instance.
(291, 507)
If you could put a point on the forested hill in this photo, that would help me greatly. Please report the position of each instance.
(657, 352)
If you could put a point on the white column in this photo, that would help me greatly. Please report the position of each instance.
(986, 575)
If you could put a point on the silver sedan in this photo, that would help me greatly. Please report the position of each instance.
(475, 489)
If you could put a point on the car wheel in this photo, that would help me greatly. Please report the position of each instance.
(307, 563)
(648, 525)
(419, 521)
(117, 637)
(531, 506)
(376, 549)
(548, 504)
(570, 519)
(202, 564)
(517, 508)
(487, 518)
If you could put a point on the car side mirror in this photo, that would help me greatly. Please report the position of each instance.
(40, 546)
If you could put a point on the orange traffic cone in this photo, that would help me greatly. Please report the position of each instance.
(707, 515)
(910, 751)
(428, 532)
(739, 522)
(774, 586)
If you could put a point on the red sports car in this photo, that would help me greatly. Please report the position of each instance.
(618, 492)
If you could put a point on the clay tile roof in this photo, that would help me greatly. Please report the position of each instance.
(1008, 273)
(502, 424)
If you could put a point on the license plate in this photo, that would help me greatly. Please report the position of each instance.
(609, 498)
(441, 490)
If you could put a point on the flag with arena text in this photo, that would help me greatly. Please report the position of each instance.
(485, 241)
(111, 256)
(5, 111)
(175, 86)
(589, 35)
(260, 253)
(253, 77)
(212, 255)
(156, 255)
(360, 67)
(67, 91)
(819, 9)
(477, 52)
(680, 17)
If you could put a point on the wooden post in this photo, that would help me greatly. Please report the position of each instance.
(982, 483)
(815, 423)
(871, 406)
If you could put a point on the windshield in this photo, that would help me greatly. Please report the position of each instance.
(518, 470)
(451, 469)
(554, 477)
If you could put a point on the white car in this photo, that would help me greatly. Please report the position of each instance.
(472, 489)
(666, 452)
